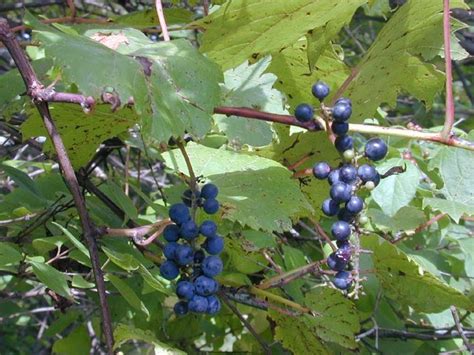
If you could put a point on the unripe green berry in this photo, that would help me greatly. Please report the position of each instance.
(349, 154)
(363, 220)
(369, 185)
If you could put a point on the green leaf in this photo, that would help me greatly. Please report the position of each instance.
(81, 247)
(259, 239)
(397, 54)
(396, 191)
(174, 88)
(77, 342)
(240, 249)
(295, 78)
(21, 179)
(9, 254)
(43, 245)
(124, 333)
(336, 321)
(248, 86)
(455, 168)
(156, 282)
(405, 219)
(406, 282)
(123, 260)
(149, 18)
(245, 28)
(81, 133)
(117, 195)
(243, 179)
(52, 278)
(80, 282)
(127, 292)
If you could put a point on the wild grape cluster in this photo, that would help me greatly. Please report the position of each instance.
(196, 265)
(345, 180)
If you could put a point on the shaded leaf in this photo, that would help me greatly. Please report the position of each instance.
(51, 277)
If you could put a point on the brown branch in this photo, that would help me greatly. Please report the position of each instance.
(265, 116)
(72, 8)
(449, 118)
(420, 228)
(434, 335)
(287, 277)
(460, 329)
(67, 19)
(32, 83)
(247, 324)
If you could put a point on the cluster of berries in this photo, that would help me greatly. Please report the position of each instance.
(196, 265)
(345, 181)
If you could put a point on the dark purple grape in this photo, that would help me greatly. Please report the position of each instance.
(171, 233)
(170, 250)
(209, 191)
(341, 230)
(205, 286)
(321, 170)
(335, 262)
(340, 128)
(179, 213)
(334, 176)
(189, 230)
(180, 308)
(341, 112)
(344, 143)
(304, 112)
(184, 255)
(214, 245)
(330, 207)
(367, 172)
(342, 280)
(169, 270)
(213, 304)
(345, 215)
(355, 205)
(185, 289)
(199, 256)
(320, 90)
(348, 174)
(343, 100)
(211, 206)
(198, 304)
(375, 149)
(208, 229)
(212, 266)
(340, 192)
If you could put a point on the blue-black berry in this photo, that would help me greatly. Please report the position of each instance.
(213, 304)
(340, 128)
(181, 308)
(348, 174)
(205, 286)
(189, 230)
(367, 172)
(198, 304)
(342, 280)
(179, 213)
(335, 262)
(210, 206)
(320, 90)
(170, 250)
(209, 191)
(344, 143)
(340, 192)
(334, 176)
(304, 112)
(355, 205)
(321, 170)
(343, 100)
(184, 255)
(375, 149)
(169, 270)
(341, 112)
(171, 233)
(341, 230)
(214, 245)
(185, 289)
(212, 266)
(330, 207)
(208, 229)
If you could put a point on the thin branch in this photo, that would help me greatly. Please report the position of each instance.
(72, 8)
(24, 218)
(458, 324)
(162, 20)
(285, 278)
(247, 325)
(32, 83)
(66, 19)
(434, 335)
(449, 118)
(420, 228)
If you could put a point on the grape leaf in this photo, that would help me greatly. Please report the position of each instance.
(244, 179)
(9, 254)
(406, 282)
(52, 278)
(149, 18)
(248, 86)
(128, 294)
(81, 133)
(455, 168)
(406, 218)
(396, 191)
(294, 78)
(248, 28)
(397, 54)
(336, 321)
(174, 88)
(124, 333)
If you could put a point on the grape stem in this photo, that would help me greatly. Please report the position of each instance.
(162, 20)
(449, 118)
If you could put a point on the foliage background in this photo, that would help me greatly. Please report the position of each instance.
(419, 246)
